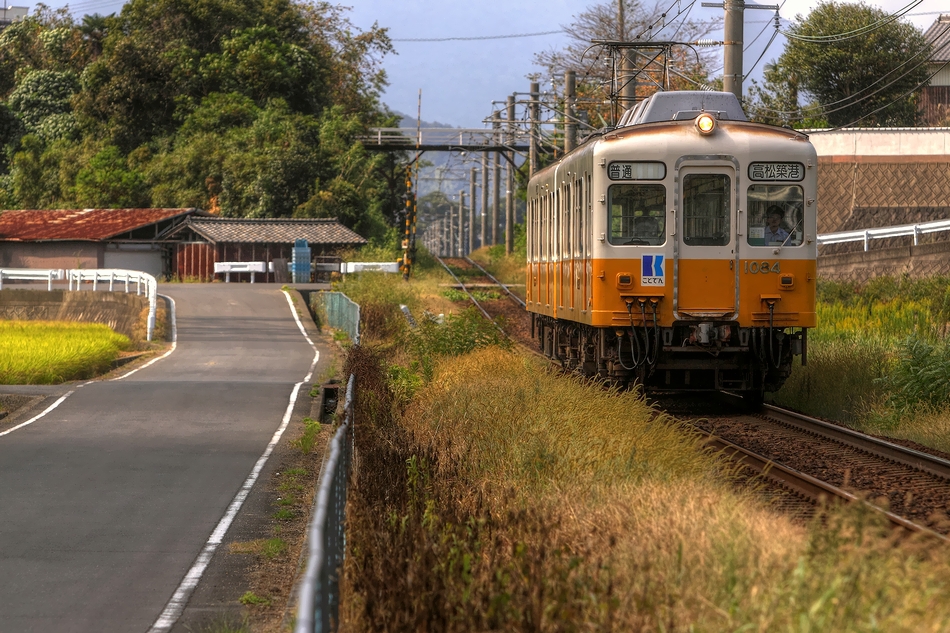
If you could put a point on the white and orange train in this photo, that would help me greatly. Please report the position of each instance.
(677, 250)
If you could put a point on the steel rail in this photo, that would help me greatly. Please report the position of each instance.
(803, 484)
(470, 295)
(881, 448)
(512, 295)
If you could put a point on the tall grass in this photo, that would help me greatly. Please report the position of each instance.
(509, 498)
(877, 355)
(47, 352)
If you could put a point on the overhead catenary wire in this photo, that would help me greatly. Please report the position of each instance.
(893, 101)
(852, 100)
(864, 30)
(475, 37)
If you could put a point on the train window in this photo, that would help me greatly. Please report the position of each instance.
(706, 209)
(776, 215)
(637, 214)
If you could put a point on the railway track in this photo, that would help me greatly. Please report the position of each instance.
(806, 462)
(815, 461)
(506, 311)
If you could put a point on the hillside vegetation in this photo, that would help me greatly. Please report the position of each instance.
(246, 108)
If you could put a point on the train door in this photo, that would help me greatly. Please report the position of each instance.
(705, 245)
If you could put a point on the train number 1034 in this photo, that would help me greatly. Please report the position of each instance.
(762, 267)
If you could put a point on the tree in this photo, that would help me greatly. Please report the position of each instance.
(852, 64)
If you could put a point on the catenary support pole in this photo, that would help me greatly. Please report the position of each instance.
(510, 191)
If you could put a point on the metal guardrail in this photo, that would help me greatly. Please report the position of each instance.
(866, 235)
(318, 608)
(113, 275)
(31, 274)
(340, 311)
(76, 277)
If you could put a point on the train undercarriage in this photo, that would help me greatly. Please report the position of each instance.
(690, 356)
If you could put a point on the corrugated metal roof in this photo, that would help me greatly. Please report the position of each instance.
(939, 37)
(79, 224)
(271, 230)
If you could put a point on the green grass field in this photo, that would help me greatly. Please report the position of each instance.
(47, 352)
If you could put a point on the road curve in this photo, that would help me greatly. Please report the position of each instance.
(106, 501)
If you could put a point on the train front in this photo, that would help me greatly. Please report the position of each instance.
(704, 246)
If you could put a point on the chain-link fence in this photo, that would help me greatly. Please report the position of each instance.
(338, 311)
(318, 608)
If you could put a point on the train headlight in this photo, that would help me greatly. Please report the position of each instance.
(705, 123)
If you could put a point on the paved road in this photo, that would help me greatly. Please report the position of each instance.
(106, 501)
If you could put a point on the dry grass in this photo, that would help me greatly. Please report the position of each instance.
(518, 500)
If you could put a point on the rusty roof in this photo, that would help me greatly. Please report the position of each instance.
(939, 37)
(79, 224)
(271, 230)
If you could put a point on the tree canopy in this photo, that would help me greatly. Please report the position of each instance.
(850, 64)
(247, 108)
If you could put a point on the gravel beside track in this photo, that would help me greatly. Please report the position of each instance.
(919, 496)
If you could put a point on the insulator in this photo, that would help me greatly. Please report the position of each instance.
(708, 42)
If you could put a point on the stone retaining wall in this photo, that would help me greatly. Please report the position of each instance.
(923, 260)
(120, 311)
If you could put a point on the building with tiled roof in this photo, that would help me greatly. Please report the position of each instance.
(88, 238)
(201, 241)
(167, 243)
(935, 97)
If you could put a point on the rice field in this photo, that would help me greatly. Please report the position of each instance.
(49, 352)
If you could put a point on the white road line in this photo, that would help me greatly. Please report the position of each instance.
(316, 353)
(35, 418)
(166, 354)
(154, 360)
(176, 605)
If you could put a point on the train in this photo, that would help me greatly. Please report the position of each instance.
(677, 250)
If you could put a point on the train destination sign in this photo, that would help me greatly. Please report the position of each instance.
(636, 170)
(776, 171)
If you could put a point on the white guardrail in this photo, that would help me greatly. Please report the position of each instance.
(98, 276)
(866, 235)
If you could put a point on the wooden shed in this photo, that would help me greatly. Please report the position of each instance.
(199, 242)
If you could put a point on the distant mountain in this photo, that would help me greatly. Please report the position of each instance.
(448, 172)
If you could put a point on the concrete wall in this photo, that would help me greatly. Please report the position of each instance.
(120, 311)
(924, 260)
(51, 255)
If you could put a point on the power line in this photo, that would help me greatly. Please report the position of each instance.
(479, 37)
(867, 28)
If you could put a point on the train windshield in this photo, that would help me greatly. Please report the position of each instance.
(776, 215)
(706, 209)
(637, 214)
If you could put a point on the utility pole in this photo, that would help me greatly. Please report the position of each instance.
(496, 177)
(471, 211)
(462, 223)
(733, 32)
(409, 240)
(484, 196)
(510, 193)
(451, 236)
(570, 127)
(628, 84)
(535, 110)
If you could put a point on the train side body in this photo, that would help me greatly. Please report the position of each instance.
(680, 258)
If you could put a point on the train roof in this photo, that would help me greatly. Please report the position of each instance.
(682, 105)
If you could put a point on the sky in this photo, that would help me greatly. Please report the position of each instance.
(460, 79)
